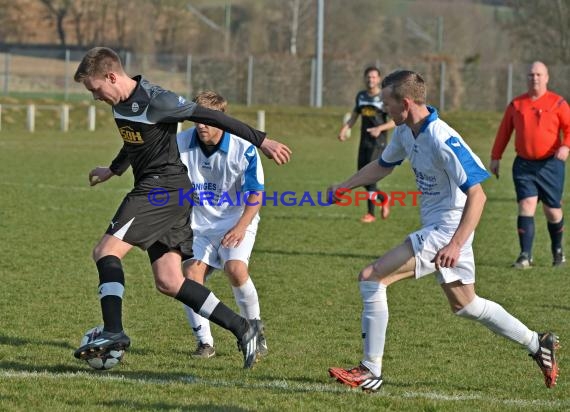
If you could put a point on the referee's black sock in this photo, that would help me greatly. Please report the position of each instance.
(111, 288)
(205, 303)
(556, 230)
(525, 227)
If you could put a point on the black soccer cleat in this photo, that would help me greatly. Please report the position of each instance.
(545, 357)
(104, 343)
(248, 344)
(558, 259)
(262, 349)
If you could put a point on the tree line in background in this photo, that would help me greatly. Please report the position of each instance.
(467, 31)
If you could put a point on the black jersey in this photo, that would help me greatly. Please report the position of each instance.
(148, 122)
(371, 108)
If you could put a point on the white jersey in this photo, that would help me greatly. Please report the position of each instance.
(444, 166)
(220, 181)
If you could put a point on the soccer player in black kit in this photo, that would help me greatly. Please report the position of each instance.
(147, 117)
(373, 132)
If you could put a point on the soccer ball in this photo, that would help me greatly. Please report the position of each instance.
(102, 362)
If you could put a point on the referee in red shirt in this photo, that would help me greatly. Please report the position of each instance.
(538, 117)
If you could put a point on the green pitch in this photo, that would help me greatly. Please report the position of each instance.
(304, 265)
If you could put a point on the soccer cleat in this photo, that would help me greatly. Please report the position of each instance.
(524, 261)
(385, 210)
(106, 342)
(368, 218)
(545, 357)
(204, 351)
(359, 376)
(248, 344)
(558, 259)
(262, 349)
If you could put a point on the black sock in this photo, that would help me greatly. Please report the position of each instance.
(195, 295)
(111, 271)
(525, 227)
(556, 231)
(370, 207)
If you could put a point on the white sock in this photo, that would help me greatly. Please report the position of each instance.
(497, 319)
(247, 300)
(374, 324)
(200, 326)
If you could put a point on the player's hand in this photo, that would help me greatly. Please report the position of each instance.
(375, 131)
(494, 167)
(343, 135)
(334, 193)
(233, 237)
(280, 153)
(446, 257)
(99, 175)
(562, 153)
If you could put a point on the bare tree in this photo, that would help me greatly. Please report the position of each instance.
(300, 12)
(58, 10)
(11, 19)
(540, 28)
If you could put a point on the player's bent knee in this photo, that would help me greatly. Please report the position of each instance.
(473, 310)
(166, 288)
(366, 274)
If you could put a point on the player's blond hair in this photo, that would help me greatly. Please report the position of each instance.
(97, 62)
(211, 100)
(406, 84)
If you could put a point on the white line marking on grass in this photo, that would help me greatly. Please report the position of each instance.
(280, 385)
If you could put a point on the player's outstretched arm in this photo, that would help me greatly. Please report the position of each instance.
(377, 130)
(371, 173)
(279, 152)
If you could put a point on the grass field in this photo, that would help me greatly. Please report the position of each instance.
(304, 265)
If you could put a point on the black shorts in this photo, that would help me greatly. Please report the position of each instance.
(155, 211)
(369, 150)
(542, 178)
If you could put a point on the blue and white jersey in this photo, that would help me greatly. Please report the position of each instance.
(444, 166)
(220, 181)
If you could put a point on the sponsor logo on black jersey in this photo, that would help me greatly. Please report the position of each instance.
(368, 111)
(130, 136)
(135, 107)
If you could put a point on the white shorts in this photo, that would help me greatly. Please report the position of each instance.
(428, 241)
(208, 249)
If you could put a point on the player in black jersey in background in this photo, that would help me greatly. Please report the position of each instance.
(373, 132)
(153, 215)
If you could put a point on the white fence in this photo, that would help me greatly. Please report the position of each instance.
(63, 111)
(269, 80)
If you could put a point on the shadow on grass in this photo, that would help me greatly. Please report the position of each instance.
(15, 341)
(316, 253)
(140, 406)
(297, 385)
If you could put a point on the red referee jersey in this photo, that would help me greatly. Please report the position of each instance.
(537, 124)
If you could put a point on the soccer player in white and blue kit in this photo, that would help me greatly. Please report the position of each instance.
(449, 175)
(227, 179)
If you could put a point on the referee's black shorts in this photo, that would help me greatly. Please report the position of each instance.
(542, 178)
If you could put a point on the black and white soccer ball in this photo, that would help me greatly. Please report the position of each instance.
(102, 362)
